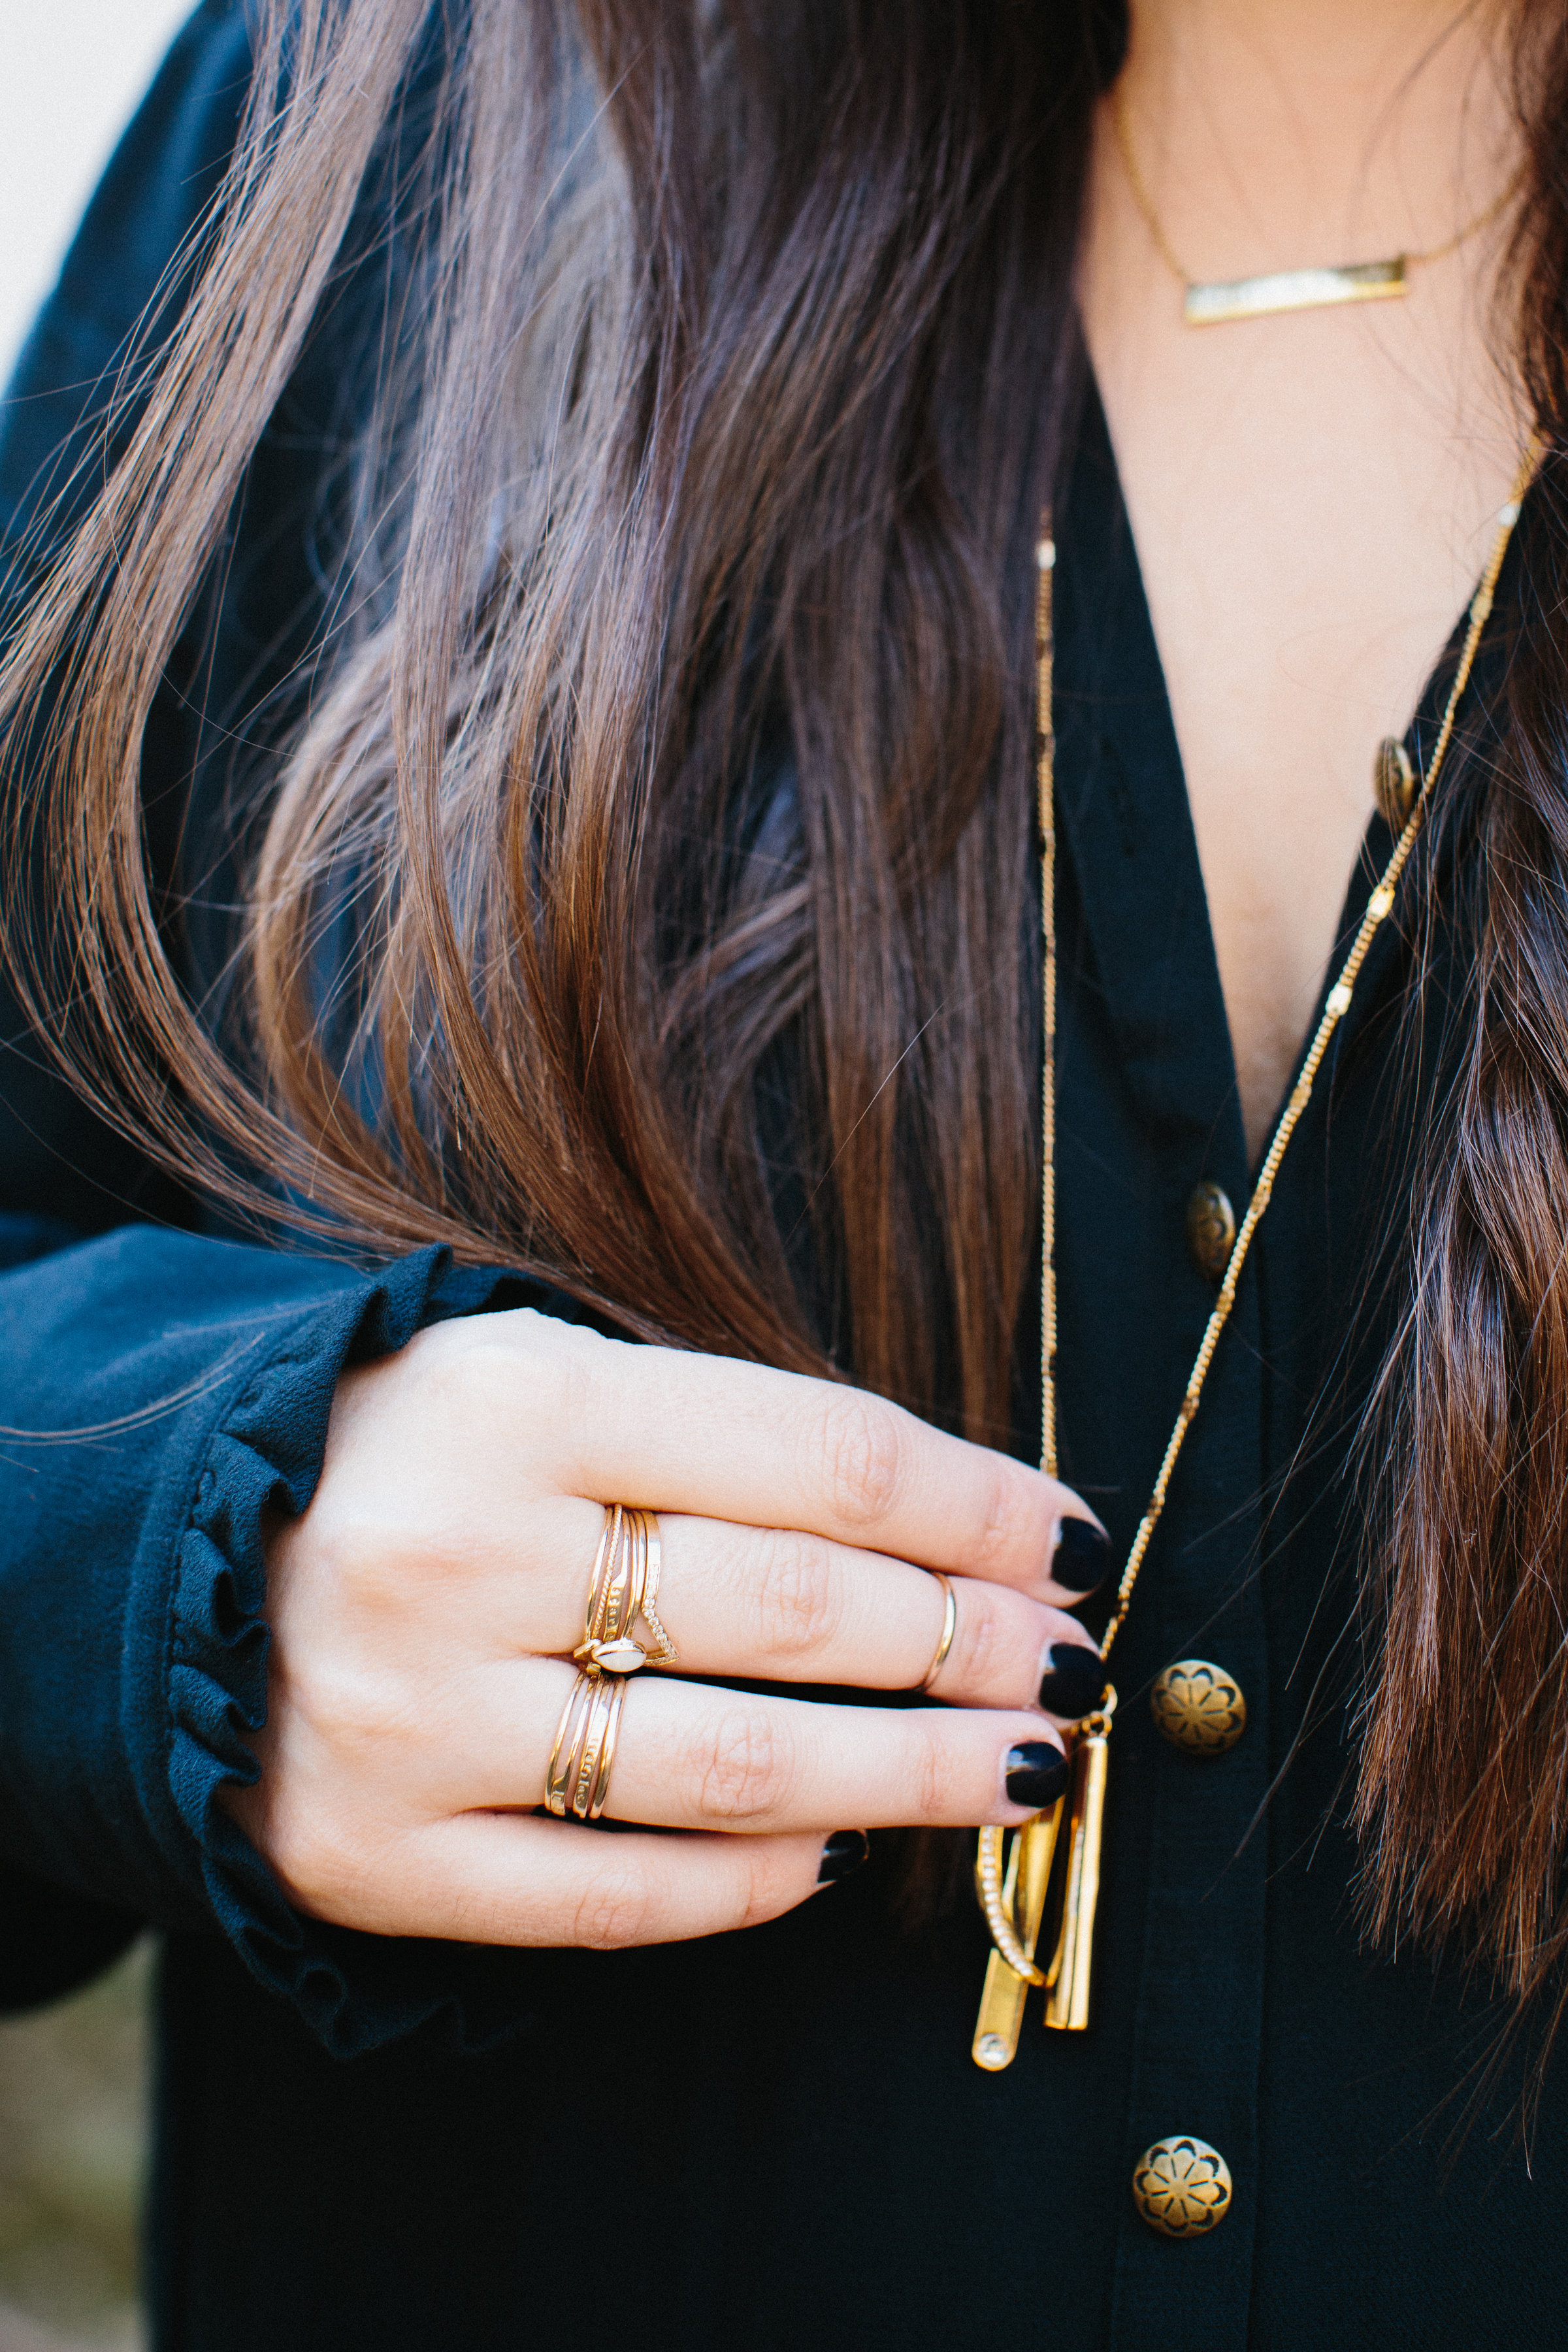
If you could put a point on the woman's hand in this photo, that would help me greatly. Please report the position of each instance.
(423, 1611)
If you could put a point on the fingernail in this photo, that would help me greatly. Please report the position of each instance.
(1082, 1557)
(1074, 1682)
(846, 1850)
(1036, 1774)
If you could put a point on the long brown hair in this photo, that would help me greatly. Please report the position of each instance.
(731, 359)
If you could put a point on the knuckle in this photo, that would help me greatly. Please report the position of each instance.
(355, 1711)
(465, 1371)
(356, 1553)
(586, 1390)
(1010, 1514)
(931, 1772)
(571, 1389)
(537, 1372)
(982, 1656)
(613, 1909)
(793, 1595)
(862, 1447)
(758, 1890)
(744, 1768)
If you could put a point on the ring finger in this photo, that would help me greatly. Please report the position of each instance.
(689, 1756)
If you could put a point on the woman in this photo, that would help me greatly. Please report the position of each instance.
(522, 748)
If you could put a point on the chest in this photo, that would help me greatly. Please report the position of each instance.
(1311, 498)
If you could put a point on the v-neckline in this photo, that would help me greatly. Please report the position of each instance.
(1124, 806)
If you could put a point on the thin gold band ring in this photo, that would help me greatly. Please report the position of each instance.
(949, 1628)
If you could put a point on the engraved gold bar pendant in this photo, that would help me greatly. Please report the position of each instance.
(1069, 1976)
(1024, 1891)
(1294, 290)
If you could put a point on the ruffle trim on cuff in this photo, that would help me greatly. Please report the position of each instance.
(355, 1990)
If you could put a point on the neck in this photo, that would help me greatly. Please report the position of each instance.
(1277, 131)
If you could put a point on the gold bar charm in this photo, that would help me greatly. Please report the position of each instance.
(1072, 1964)
(1023, 1890)
(1294, 290)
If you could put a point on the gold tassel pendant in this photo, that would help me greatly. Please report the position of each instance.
(1016, 1907)
(1015, 1900)
(1070, 1974)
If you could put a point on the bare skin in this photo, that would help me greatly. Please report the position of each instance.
(423, 1611)
(1312, 497)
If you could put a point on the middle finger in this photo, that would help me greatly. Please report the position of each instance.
(778, 1605)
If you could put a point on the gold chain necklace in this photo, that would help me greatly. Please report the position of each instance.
(1013, 1888)
(1287, 289)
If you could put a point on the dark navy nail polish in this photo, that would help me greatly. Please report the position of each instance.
(846, 1850)
(1074, 1682)
(1036, 1774)
(1082, 1556)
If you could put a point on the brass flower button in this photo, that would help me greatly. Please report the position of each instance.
(1394, 783)
(1199, 1708)
(1211, 1230)
(1181, 2188)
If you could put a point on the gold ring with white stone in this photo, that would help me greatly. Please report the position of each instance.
(623, 1587)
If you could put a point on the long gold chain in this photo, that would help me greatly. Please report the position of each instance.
(1336, 1005)
(1014, 1896)
(1045, 771)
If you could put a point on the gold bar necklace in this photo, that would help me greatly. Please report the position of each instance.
(1013, 1887)
(1315, 289)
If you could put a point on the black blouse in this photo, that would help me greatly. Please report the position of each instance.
(364, 2145)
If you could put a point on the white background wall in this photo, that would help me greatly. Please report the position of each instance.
(71, 74)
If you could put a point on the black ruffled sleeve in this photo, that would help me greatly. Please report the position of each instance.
(161, 1390)
(160, 1393)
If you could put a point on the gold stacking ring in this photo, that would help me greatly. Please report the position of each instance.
(623, 1587)
(949, 1628)
(578, 1781)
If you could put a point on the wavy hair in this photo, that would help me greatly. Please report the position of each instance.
(730, 356)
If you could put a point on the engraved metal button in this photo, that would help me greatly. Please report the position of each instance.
(1181, 2188)
(1211, 1230)
(1199, 1708)
(1394, 783)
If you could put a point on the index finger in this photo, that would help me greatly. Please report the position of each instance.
(729, 1440)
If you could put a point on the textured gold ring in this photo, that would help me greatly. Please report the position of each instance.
(577, 1781)
(622, 1587)
(949, 1628)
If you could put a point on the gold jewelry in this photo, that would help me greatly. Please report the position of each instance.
(1181, 2188)
(623, 1587)
(1068, 1975)
(949, 1628)
(1277, 290)
(1392, 783)
(577, 1780)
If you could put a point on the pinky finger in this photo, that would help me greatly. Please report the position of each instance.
(511, 1878)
